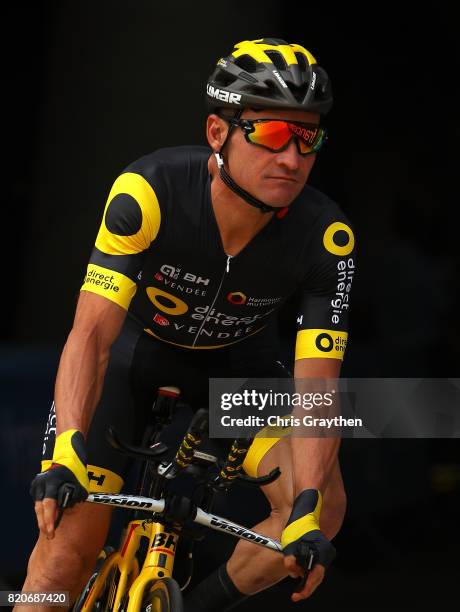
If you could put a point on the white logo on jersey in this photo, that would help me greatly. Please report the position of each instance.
(173, 272)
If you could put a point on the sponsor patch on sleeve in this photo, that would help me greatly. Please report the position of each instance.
(320, 343)
(114, 286)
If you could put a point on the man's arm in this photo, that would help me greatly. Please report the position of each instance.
(83, 363)
(313, 458)
(320, 345)
(130, 223)
(80, 377)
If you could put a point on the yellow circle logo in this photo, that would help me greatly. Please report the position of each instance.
(324, 343)
(331, 246)
(178, 308)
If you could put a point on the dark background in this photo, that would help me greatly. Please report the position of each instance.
(91, 86)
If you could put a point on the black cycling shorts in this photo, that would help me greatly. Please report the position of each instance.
(138, 366)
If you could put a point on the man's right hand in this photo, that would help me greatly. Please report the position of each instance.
(68, 467)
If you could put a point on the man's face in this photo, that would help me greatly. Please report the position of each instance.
(274, 178)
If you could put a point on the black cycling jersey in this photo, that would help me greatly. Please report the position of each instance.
(159, 255)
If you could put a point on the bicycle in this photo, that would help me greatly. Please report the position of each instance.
(119, 582)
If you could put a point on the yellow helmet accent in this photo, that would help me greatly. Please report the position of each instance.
(311, 60)
(257, 50)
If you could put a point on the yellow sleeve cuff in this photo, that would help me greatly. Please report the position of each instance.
(112, 285)
(320, 343)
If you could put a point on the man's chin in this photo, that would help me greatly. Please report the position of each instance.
(279, 197)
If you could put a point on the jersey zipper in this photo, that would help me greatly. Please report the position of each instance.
(226, 271)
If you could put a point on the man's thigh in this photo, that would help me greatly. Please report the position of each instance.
(82, 531)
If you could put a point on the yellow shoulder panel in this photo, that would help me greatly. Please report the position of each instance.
(138, 188)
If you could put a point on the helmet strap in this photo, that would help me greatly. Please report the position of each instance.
(227, 179)
(250, 199)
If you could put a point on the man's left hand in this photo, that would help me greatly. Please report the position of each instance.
(303, 527)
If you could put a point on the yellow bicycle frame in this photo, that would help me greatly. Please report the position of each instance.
(158, 563)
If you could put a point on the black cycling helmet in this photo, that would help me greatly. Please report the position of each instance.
(269, 73)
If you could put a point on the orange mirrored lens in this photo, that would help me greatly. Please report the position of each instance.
(271, 134)
(276, 134)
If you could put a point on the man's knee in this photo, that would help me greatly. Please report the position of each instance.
(53, 565)
(68, 559)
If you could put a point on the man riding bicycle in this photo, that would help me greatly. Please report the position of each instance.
(197, 250)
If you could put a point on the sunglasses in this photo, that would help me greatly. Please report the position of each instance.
(276, 134)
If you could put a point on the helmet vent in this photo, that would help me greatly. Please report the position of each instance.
(247, 77)
(299, 93)
(271, 91)
(224, 79)
(301, 61)
(277, 59)
(247, 63)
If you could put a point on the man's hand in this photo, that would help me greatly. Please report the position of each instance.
(68, 468)
(303, 527)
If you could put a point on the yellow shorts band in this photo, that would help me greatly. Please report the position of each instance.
(264, 440)
(259, 448)
(101, 480)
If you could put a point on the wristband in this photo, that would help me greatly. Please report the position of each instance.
(69, 450)
(304, 516)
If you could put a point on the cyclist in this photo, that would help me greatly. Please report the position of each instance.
(197, 250)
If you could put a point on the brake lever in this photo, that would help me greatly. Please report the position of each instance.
(304, 558)
(199, 423)
(65, 494)
(157, 451)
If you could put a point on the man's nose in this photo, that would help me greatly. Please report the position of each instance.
(289, 158)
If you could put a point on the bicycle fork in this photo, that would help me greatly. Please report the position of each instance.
(158, 563)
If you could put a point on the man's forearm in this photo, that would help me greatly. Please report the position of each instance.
(79, 380)
(314, 457)
(313, 460)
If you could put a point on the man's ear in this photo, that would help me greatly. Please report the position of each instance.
(216, 132)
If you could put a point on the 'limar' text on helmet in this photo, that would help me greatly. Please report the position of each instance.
(225, 96)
